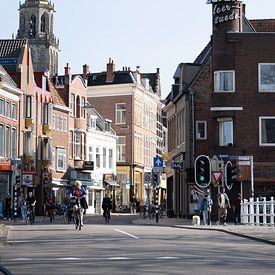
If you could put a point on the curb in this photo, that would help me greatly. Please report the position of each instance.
(4, 234)
(228, 232)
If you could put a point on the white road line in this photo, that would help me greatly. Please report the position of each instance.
(68, 259)
(20, 259)
(167, 258)
(118, 258)
(123, 232)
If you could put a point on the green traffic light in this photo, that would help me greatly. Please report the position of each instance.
(202, 178)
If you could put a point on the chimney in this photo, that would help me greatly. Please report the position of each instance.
(68, 75)
(85, 71)
(110, 71)
(227, 15)
(67, 69)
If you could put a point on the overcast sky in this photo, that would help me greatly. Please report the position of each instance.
(147, 33)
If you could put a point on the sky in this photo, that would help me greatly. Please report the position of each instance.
(147, 33)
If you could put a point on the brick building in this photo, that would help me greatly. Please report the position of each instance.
(228, 93)
(131, 100)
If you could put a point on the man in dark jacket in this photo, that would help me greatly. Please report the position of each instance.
(7, 207)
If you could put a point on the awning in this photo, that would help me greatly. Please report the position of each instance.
(112, 183)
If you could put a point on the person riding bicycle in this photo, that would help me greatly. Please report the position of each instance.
(30, 203)
(50, 204)
(80, 192)
(106, 206)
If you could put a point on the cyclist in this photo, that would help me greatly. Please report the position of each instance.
(30, 202)
(50, 207)
(79, 192)
(106, 206)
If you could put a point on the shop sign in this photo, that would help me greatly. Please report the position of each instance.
(27, 180)
(5, 166)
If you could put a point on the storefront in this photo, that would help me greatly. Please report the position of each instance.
(5, 179)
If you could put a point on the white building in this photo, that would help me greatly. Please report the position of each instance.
(101, 150)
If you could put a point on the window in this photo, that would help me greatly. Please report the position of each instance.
(267, 131)
(13, 143)
(201, 130)
(224, 81)
(267, 77)
(225, 131)
(121, 149)
(72, 104)
(92, 122)
(2, 107)
(14, 112)
(71, 145)
(47, 114)
(65, 125)
(30, 106)
(8, 142)
(57, 125)
(2, 140)
(91, 157)
(82, 107)
(97, 157)
(110, 158)
(78, 145)
(32, 30)
(43, 23)
(61, 159)
(54, 122)
(61, 123)
(8, 109)
(104, 157)
(53, 165)
(120, 113)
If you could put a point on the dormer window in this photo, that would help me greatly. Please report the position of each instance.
(92, 122)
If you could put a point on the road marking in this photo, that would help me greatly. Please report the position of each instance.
(167, 258)
(68, 259)
(123, 232)
(118, 258)
(20, 259)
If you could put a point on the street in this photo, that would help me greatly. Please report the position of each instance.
(123, 248)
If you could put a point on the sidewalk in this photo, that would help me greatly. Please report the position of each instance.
(259, 233)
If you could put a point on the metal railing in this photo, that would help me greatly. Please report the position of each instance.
(258, 212)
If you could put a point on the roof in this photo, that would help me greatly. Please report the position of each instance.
(55, 96)
(4, 77)
(11, 52)
(263, 25)
(120, 77)
(153, 79)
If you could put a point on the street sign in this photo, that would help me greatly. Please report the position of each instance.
(177, 165)
(127, 182)
(158, 165)
(147, 177)
(158, 162)
(217, 175)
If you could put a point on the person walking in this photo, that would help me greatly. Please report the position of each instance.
(237, 209)
(22, 206)
(206, 208)
(106, 206)
(224, 205)
(7, 215)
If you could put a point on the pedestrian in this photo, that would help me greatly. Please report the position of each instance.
(237, 209)
(206, 208)
(7, 215)
(224, 205)
(22, 206)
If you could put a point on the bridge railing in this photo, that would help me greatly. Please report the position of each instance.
(258, 212)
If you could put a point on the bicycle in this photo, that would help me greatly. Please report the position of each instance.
(30, 214)
(51, 212)
(67, 215)
(77, 213)
(106, 215)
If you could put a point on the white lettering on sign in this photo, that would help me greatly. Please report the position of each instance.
(220, 16)
(217, 1)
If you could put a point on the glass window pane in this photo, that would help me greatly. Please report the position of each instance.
(268, 131)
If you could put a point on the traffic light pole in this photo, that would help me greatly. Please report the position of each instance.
(157, 203)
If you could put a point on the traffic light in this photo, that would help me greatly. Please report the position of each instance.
(231, 173)
(155, 179)
(17, 179)
(202, 171)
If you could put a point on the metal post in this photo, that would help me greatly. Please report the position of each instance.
(157, 203)
(252, 176)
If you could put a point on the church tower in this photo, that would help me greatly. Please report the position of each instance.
(36, 24)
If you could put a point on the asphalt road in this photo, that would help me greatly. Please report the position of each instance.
(124, 248)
